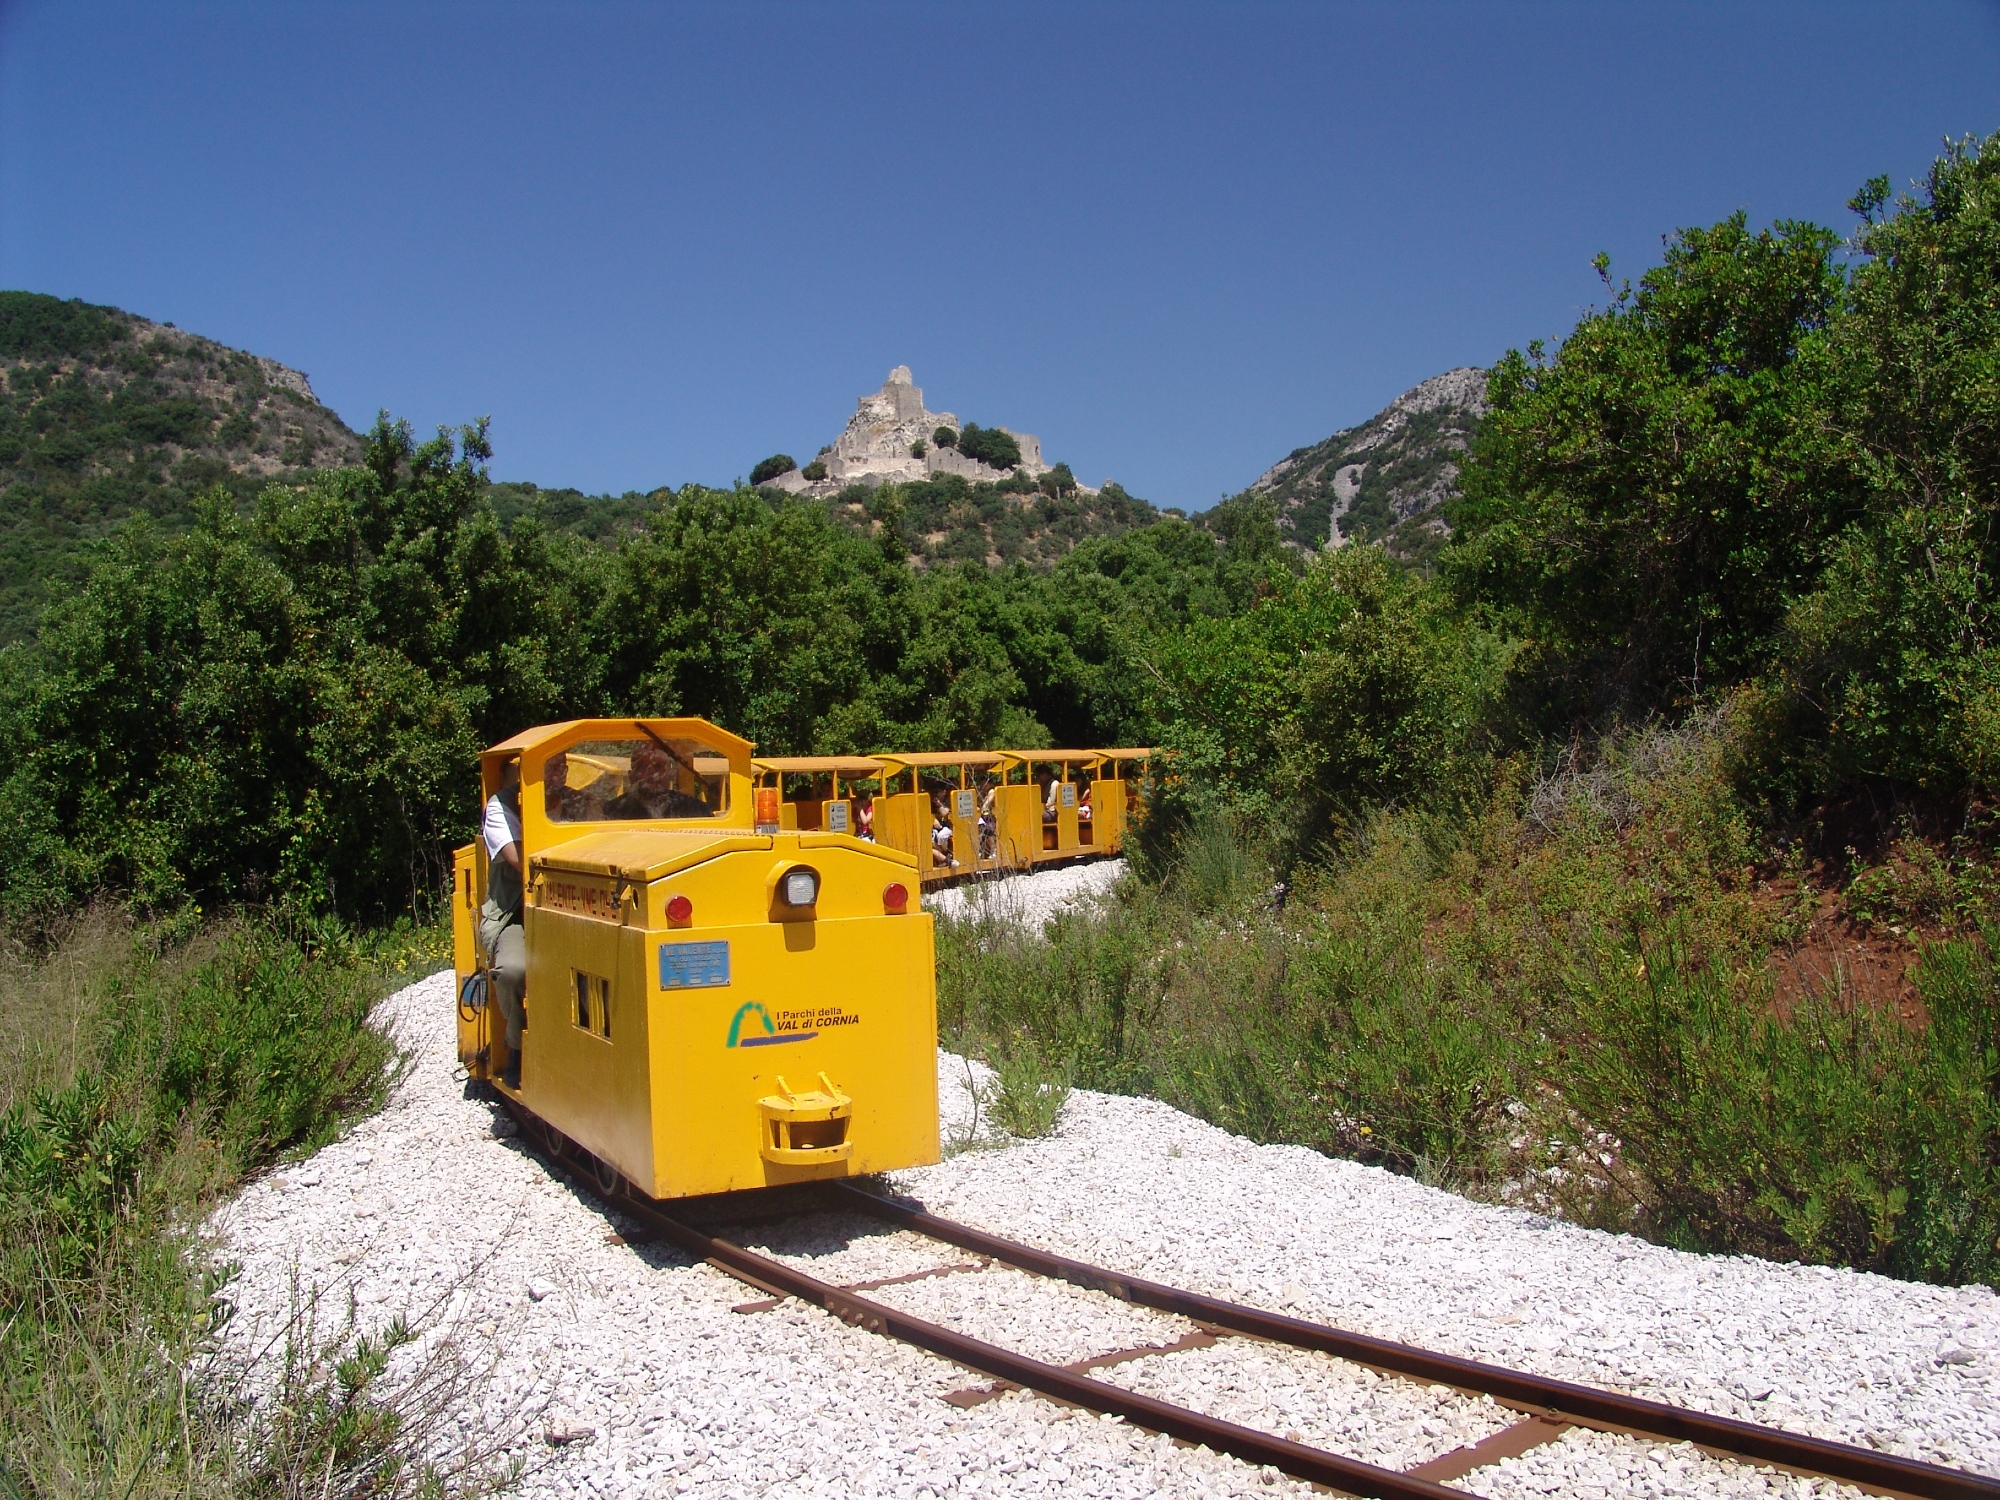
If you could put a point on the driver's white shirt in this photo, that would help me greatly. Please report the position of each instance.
(501, 827)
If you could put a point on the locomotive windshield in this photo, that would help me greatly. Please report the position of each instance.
(601, 781)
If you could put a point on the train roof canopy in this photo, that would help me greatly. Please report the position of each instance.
(731, 745)
(1061, 757)
(945, 758)
(845, 765)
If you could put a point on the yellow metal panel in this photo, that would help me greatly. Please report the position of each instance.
(1017, 815)
(859, 767)
(646, 852)
(903, 821)
(854, 999)
(1059, 839)
(1107, 805)
(594, 1088)
(466, 894)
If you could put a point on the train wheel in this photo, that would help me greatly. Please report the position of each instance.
(609, 1179)
(554, 1140)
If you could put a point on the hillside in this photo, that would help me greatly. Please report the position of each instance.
(105, 416)
(1385, 480)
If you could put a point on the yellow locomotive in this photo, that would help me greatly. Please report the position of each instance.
(712, 1002)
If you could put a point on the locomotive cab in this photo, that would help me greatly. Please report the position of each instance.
(711, 1004)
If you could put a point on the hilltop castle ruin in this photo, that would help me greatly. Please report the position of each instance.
(878, 445)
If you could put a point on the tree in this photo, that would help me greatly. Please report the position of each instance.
(944, 437)
(1891, 666)
(991, 446)
(1646, 503)
(772, 467)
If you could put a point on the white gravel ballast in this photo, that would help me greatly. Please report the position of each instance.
(615, 1369)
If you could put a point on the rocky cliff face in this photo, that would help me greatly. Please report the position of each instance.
(879, 444)
(1386, 480)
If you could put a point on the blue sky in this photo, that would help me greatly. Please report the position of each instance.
(656, 243)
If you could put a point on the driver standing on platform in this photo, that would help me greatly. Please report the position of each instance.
(500, 917)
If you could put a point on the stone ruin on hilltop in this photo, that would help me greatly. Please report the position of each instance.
(879, 444)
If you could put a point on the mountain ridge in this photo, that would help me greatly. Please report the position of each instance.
(1384, 480)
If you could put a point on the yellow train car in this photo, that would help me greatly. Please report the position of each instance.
(934, 807)
(710, 1005)
(1115, 797)
(1051, 814)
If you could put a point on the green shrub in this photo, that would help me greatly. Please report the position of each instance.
(1560, 999)
(1026, 1096)
(1836, 1134)
(815, 471)
(945, 437)
(772, 467)
(917, 449)
(990, 445)
(34, 326)
(141, 1073)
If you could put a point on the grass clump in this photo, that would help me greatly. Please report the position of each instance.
(1026, 1095)
(142, 1073)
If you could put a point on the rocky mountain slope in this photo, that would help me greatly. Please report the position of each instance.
(105, 416)
(1385, 480)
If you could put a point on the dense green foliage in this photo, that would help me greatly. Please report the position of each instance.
(1568, 1006)
(289, 702)
(1648, 502)
(992, 446)
(140, 1074)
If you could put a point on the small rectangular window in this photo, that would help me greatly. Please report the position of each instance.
(593, 1003)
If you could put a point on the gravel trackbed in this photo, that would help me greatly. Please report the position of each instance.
(612, 1369)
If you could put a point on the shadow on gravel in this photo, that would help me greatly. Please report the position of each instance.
(805, 1220)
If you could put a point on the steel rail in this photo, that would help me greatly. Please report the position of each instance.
(1587, 1405)
(1298, 1459)
(1551, 1404)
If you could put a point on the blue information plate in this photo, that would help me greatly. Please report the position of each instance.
(693, 966)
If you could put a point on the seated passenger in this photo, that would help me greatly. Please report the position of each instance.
(1051, 791)
(562, 802)
(864, 817)
(653, 790)
(1083, 805)
(941, 828)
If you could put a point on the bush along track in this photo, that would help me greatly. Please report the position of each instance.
(144, 1071)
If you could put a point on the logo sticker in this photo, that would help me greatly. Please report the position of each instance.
(768, 1036)
(693, 966)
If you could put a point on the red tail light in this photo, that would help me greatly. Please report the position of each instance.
(680, 911)
(896, 896)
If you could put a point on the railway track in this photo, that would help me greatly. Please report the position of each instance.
(1545, 1408)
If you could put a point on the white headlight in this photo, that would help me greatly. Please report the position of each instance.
(801, 888)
